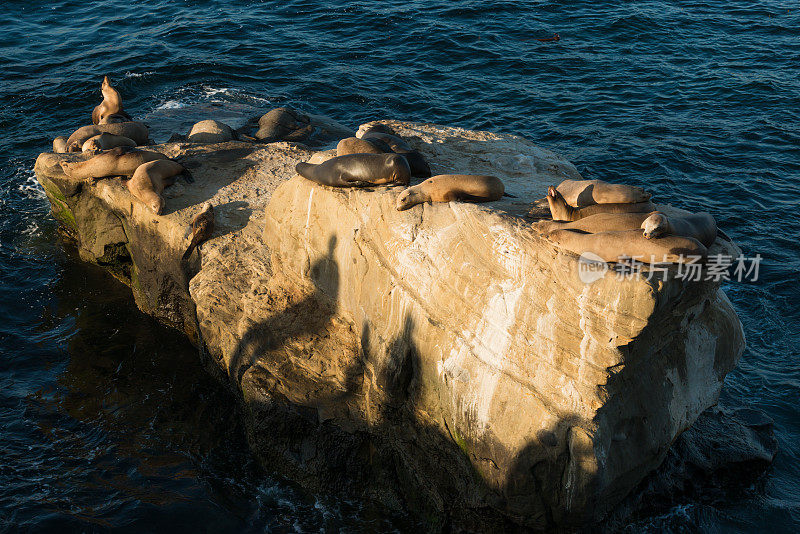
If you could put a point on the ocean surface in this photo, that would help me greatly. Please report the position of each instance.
(108, 421)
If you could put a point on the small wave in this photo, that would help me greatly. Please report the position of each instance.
(171, 104)
(130, 74)
(31, 188)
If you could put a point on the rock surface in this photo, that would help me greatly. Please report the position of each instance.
(444, 360)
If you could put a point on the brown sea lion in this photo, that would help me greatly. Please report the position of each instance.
(150, 179)
(419, 167)
(581, 193)
(106, 141)
(132, 130)
(377, 127)
(202, 228)
(111, 104)
(211, 131)
(358, 170)
(119, 161)
(561, 211)
(700, 226)
(601, 222)
(354, 145)
(284, 124)
(60, 144)
(447, 187)
(614, 246)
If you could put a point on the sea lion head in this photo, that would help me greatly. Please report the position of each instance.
(106, 83)
(656, 225)
(156, 204)
(408, 199)
(92, 146)
(66, 168)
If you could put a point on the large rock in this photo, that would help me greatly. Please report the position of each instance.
(444, 360)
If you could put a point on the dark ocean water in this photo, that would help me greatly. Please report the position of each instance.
(108, 421)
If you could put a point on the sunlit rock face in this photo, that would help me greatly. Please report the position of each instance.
(446, 360)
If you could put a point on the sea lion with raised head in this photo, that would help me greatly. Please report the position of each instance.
(561, 211)
(60, 144)
(358, 170)
(615, 246)
(150, 179)
(202, 228)
(119, 161)
(106, 141)
(600, 222)
(111, 104)
(580, 193)
(132, 130)
(700, 226)
(447, 187)
(419, 167)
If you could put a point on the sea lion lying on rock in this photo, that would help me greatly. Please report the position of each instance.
(614, 246)
(132, 130)
(284, 124)
(119, 161)
(419, 167)
(211, 131)
(375, 127)
(561, 211)
(580, 193)
(60, 144)
(700, 226)
(150, 179)
(106, 141)
(447, 187)
(358, 170)
(600, 222)
(354, 145)
(110, 109)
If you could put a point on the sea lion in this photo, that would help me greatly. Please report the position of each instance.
(554, 39)
(115, 118)
(202, 228)
(111, 104)
(614, 246)
(419, 167)
(447, 187)
(60, 144)
(581, 193)
(106, 141)
(211, 131)
(358, 170)
(377, 127)
(561, 211)
(284, 124)
(354, 145)
(700, 226)
(119, 161)
(600, 222)
(132, 130)
(150, 179)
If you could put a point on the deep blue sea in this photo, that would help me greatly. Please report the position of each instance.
(108, 421)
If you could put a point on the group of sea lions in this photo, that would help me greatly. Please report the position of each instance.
(617, 221)
(613, 221)
(112, 138)
(378, 156)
